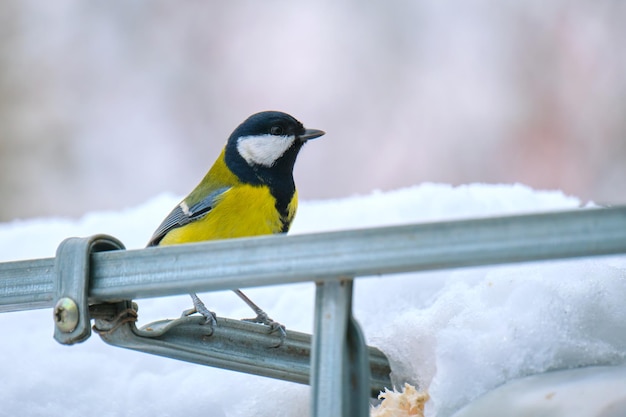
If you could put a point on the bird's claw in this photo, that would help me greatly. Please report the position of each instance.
(263, 318)
(198, 307)
(210, 317)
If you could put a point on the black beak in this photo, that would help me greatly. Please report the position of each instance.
(311, 134)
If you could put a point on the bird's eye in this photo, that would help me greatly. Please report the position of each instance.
(276, 130)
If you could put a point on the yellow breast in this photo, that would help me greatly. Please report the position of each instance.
(242, 211)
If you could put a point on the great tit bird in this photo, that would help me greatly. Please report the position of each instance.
(249, 191)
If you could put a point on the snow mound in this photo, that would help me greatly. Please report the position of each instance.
(456, 334)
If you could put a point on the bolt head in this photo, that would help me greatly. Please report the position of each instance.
(66, 314)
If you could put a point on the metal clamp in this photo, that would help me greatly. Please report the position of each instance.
(72, 269)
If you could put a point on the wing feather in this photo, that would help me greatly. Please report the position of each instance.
(182, 215)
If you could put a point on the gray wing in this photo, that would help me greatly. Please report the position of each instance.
(182, 215)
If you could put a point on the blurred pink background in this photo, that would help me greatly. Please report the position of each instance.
(106, 104)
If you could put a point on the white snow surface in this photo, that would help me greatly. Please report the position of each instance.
(457, 333)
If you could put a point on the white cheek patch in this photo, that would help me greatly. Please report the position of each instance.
(263, 149)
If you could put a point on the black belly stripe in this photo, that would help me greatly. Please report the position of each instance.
(282, 206)
(286, 224)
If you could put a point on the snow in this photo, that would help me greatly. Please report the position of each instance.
(457, 333)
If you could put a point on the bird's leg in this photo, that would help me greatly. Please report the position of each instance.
(262, 317)
(200, 308)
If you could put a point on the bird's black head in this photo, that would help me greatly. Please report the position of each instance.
(263, 149)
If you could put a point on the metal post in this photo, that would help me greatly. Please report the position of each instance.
(340, 374)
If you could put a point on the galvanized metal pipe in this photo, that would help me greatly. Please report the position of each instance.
(271, 260)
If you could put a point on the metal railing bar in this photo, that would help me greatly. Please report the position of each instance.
(235, 345)
(271, 260)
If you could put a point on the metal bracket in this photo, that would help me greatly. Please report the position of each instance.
(72, 269)
(231, 344)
